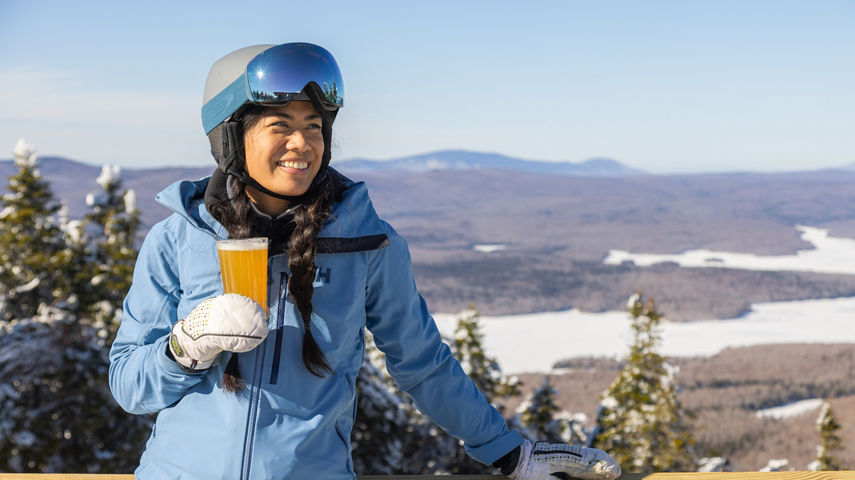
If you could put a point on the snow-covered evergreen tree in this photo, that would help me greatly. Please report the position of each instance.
(829, 440)
(56, 410)
(540, 412)
(113, 222)
(641, 423)
(539, 419)
(35, 264)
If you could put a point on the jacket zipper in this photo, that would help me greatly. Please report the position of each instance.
(280, 324)
(253, 411)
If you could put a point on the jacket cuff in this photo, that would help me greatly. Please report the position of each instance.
(166, 362)
(495, 449)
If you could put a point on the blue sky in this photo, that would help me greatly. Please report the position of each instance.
(665, 86)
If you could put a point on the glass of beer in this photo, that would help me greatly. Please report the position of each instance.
(243, 264)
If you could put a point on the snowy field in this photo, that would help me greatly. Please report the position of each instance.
(790, 409)
(534, 342)
(829, 255)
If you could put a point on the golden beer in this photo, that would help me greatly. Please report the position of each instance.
(243, 264)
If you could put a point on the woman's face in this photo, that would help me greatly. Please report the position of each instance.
(283, 150)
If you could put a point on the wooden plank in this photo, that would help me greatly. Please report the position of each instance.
(747, 476)
(848, 475)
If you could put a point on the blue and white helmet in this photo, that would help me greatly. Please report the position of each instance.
(268, 75)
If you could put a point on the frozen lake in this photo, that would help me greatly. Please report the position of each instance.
(534, 342)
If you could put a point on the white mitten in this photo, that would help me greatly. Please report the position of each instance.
(551, 461)
(226, 322)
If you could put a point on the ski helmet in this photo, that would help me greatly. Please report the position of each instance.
(268, 75)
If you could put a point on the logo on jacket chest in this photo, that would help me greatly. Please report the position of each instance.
(323, 276)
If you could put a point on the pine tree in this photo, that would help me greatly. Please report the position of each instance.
(113, 221)
(56, 410)
(36, 264)
(539, 419)
(830, 440)
(641, 422)
(540, 412)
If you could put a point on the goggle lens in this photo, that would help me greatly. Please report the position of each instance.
(279, 74)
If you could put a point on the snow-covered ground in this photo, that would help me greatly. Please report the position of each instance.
(790, 409)
(829, 255)
(489, 247)
(534, 342)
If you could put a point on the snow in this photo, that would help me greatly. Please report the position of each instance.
(489, 247)
(25, 154)
(712, 464)
(96, 199)
(776, 465)
(790, 409)
(24, 438)
(130, 201)
(534, 342)
(829, 255)
(27, 287)
(110, 174)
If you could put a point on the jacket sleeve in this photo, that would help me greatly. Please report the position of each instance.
(421, 364)
(142, 378)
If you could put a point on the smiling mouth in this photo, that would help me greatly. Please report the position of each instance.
(300, 165)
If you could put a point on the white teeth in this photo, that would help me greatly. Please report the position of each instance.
(298, 165)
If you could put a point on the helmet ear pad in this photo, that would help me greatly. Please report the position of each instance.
(226, 141)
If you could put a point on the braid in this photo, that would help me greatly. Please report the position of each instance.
(233, 215)
(302, 251)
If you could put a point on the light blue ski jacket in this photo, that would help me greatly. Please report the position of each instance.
(286, 423)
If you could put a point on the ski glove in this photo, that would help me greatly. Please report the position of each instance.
(551, 461)
(229, 322)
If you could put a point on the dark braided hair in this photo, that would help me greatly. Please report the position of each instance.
(234, 215)
(302, 251)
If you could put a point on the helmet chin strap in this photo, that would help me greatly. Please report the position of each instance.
(244, 178)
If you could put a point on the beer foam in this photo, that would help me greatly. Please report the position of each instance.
(259, 243)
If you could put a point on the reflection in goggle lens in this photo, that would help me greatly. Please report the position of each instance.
(278, 74)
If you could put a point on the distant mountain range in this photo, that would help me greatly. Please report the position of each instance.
(72, 180)
(466, 160)
(548, 227)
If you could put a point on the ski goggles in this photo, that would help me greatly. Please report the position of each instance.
(278, 76)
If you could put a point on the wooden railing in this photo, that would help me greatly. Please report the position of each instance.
(848, 475)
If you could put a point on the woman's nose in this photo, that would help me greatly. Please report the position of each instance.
(297, 142)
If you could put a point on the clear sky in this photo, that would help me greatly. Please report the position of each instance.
(665, 86)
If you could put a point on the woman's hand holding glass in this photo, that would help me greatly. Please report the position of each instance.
(230, 322)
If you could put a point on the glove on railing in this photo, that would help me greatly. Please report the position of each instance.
(551, 461)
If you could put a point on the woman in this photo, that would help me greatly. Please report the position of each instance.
(235, 402)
